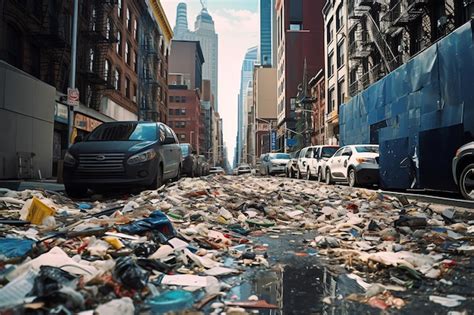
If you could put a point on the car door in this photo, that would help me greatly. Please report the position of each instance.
(343, 163)
(176, 157)
(333, 162)
(314, 161)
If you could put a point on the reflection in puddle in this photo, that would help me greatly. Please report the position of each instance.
(300, 289)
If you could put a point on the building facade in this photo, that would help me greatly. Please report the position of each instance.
(317, 85)
(299, 37)
(337, 64)
(187, 60)
(184, 108)
(266, 8)
(246, 75)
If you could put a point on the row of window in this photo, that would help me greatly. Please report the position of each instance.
(177, 111)
(331, 101)
(130, 20)
(115, 79)
(177, 124)
(340, 55)
(177, 99)
(339, 24)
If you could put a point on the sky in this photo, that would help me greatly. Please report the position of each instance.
(237, 25)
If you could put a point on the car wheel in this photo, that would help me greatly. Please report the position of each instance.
(75, 190)
(328, 177)
(320, 175)
(158, 182)
(466, 182)
(351, 177)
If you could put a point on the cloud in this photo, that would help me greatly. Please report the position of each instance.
(238, 30)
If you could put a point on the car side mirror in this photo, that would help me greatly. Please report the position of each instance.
(346, 154)
(167, 141)
(78, 139)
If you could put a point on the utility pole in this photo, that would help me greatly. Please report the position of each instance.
(72, 75)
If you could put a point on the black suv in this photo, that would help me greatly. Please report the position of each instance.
(122, 154)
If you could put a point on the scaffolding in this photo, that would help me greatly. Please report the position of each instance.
(150, 66)
(97, 38)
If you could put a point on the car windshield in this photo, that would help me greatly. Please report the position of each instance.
(280, 156)
(328, 151)
(124, 132)
(367, 149)
(184, 150)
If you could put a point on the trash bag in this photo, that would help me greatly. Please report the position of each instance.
(157, 221)
(14, 247)
(130, 274)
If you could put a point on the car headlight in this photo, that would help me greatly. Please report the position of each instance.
(69, 158)
(142, 157)
(366, 160)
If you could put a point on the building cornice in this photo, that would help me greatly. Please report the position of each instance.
(163, 22)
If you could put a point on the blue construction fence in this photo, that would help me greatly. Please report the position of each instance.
(419, 114)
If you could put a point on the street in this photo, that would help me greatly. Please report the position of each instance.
(236, 244)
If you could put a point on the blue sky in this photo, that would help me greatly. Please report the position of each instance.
(237, 24)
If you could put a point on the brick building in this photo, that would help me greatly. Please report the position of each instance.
(317, 87)
(184, 115)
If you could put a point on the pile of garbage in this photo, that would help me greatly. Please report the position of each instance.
(174, 248)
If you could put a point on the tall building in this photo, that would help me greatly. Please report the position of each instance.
(246, 75)
(300, 45)
(266, 8)
(205, 33)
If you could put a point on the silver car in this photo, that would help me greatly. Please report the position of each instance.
(273, 163)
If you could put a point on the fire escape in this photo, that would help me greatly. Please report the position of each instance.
(98, 38)
(367, 44)
(149, 67)
(51, 34)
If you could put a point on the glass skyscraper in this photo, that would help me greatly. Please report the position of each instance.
(266, 11)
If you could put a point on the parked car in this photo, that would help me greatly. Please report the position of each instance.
(292, 165)
(203, 166)
(355, 164)
(313, 160)
(216, 170)
(190, 160)
(274, 163)
(463, 170)
(122, 154)
(244, 169)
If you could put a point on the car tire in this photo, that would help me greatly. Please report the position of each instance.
(158, 182)
(320, 175)
(328, 177)
(465, 180)
(352, 178)
(75, 190)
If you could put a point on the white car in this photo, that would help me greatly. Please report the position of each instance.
(355, 164)
(244, 169)
(274, 163)
(312, 160)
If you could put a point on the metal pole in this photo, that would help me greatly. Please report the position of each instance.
(72, 75)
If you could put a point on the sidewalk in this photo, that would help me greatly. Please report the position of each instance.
(24, 185)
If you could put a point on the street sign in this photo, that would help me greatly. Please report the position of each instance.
(274, 136)
(72, 97)
(290, 142)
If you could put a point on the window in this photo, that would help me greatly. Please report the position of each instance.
(134, 94)
(183, 111)
(91, 60)
(309, 153)
(119, 43)
(296, 27)
(117, 79)
(128, 53)
(339, 152)
(340, 92)
(331, 64)
(331, 100)
(292, 103)
(170, 134)
(127, 87)
(94, 19)
(108, 28)
(329, 32)
(107, 69)
(339, 18)
(135, 62)
(119, 8)
(135, 28)
(170, 112)
(182, 137)
(172, 99)
(180, 124)
(129, 20)
(340, 54)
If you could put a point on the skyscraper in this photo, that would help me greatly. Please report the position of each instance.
(266, 8)
(245, 77)
(205, 33)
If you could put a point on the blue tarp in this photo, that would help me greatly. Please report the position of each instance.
(419, 114)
